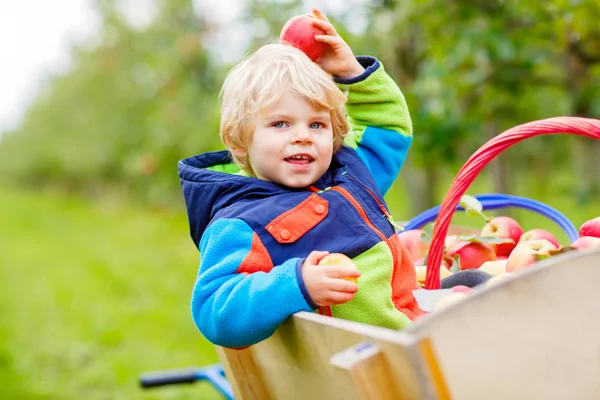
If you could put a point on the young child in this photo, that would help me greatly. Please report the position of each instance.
(297, 184)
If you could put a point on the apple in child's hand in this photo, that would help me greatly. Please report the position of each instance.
(536, 234)
(299, 32)
(341, 260)
(503, 228)
(590, 228)
(527, 253)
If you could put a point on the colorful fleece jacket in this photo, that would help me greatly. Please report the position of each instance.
(253, 235)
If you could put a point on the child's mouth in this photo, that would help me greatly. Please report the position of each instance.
(300, 159)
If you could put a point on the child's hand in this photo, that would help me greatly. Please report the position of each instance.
(325, 284)
(338, 59)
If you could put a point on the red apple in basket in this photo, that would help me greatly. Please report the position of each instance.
(503, 228)
(472, 254)
(414, 243)
(536, 234)
(299, 32)
(586, 242)
(590, 228)
(527, 253)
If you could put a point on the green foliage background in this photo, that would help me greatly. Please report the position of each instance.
(143, 99)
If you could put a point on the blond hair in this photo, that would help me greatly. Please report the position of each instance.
(257, 83)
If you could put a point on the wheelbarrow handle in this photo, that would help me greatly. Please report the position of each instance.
(214, 374)
(155, 379)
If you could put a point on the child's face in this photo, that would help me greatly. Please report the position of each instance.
(292, 143)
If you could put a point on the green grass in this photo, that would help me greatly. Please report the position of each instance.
(92, 296)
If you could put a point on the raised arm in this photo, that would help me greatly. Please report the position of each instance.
(381, 127)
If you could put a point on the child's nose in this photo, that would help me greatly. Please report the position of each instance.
(302, 134)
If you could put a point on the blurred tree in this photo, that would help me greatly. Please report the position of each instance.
(473, 69)
(126, 113)
(143, 99)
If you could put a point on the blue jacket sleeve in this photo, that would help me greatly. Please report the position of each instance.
(234, 309)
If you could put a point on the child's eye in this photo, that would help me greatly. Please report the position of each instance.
(316, 125)
(278, 124)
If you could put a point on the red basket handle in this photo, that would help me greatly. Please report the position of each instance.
(486, 153)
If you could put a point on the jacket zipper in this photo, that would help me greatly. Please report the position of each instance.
(363, 214)
(386, 213)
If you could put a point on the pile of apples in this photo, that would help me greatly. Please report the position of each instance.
(502, 247)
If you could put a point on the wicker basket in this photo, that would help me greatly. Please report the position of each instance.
(481, 158)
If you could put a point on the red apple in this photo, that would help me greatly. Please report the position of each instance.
(586, 242)
(536, 234)
(503, 228)
(299, 32)
(472, 254)
(414, 243)
(590, 228)
(526, 253)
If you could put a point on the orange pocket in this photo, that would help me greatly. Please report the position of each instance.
(293, 224)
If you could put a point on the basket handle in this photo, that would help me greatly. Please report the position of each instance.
(572, 125)
(496, 201)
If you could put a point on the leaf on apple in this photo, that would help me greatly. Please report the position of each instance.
(485, 239)
(562, 249)
(455, 267)
(472, 206)
(427, 233)
(539, 257)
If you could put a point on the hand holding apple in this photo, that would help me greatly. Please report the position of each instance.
(341, 260)
(300, 32)
(337, 58)
(325, 283)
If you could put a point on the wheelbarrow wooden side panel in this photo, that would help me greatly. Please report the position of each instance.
(536, 336)
(317, 357)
